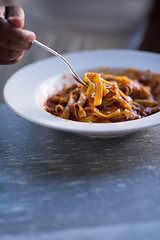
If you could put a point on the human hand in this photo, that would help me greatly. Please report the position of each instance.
(13, 39)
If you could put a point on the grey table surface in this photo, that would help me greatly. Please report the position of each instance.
(56, 185)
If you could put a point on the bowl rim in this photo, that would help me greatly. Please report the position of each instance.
(80, 127)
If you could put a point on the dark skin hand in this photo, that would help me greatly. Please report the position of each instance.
(14, 40)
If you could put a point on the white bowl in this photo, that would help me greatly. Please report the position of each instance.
(26, 91)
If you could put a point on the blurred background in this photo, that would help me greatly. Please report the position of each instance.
(72, 25)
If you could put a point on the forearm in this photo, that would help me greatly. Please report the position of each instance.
(151, 41)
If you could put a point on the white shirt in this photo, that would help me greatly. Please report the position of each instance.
(70, 25)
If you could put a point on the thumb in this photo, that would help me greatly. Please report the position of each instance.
(15, 16)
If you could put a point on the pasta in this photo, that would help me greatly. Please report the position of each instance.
(108, 98)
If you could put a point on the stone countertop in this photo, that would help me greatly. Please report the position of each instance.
(57, 185)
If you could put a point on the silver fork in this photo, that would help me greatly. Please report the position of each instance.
(75, 75)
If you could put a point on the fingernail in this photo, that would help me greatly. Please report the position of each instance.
(11, 17)
(16, 22)
(31, 37)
